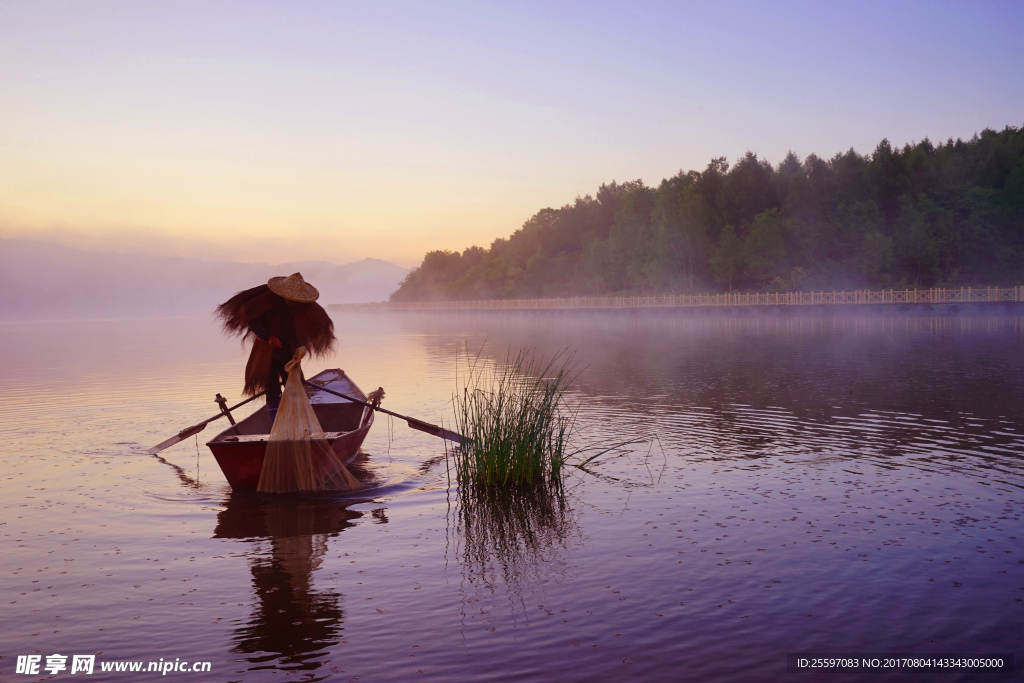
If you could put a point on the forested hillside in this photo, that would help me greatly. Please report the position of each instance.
(925, 215)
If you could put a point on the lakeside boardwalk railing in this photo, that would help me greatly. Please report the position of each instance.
(834, 298)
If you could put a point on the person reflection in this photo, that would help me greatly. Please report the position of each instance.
(293, 626)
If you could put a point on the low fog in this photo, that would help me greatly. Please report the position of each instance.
(42, 281)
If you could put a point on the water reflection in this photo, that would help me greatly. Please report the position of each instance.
(513, 537)
(293, 626)
(814, 366)
(927, 392)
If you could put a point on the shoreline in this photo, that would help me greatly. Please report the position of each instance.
(941, 301)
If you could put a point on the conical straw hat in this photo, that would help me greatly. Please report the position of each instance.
(293, 288)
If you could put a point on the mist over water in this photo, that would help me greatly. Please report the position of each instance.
(818, 483)
(53, 282)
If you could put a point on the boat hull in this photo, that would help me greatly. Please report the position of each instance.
(240, 450)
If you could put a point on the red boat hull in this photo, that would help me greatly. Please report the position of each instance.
(240, 449)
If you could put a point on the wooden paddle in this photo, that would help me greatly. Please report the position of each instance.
(200, 426)
(411, 421)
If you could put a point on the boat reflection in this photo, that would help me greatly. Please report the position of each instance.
(293, 625)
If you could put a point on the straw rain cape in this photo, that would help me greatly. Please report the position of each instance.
(295, 324)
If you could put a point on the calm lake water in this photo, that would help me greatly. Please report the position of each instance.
(817, 484)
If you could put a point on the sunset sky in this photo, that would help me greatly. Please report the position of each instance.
(259, 131)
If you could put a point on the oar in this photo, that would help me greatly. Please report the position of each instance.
(411, 421)
(198, 427)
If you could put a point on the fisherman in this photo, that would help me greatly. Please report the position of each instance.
(279, 317)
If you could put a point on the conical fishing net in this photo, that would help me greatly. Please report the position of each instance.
(298, 456)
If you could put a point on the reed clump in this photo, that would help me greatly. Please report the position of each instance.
(516, 421)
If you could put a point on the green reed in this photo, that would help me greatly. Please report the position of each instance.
(516, 419)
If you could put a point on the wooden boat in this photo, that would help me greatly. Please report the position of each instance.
(239, 450)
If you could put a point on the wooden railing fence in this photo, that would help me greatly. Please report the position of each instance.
(856, 297)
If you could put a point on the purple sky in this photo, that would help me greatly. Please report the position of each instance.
(337, 131)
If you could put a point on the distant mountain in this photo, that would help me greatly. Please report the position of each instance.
(39, 280)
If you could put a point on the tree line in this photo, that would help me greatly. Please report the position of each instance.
(923, 215)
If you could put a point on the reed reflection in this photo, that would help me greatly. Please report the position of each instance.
(513, 536)
(293, 626)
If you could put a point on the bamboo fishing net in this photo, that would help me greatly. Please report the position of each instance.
(298, 456)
